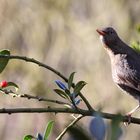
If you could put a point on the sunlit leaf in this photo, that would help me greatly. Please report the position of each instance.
(4, 61)
(79, 86)
(13, 85)
(48, 130)
(136, 46)
(67, 106)
(28, 137)
(70, 80)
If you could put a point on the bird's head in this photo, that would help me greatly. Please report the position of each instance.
(108, 36)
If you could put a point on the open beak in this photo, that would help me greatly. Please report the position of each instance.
(101, 32)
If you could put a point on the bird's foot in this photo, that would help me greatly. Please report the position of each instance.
(128, 115)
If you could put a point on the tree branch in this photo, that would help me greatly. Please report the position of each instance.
(67, 110)
(32, 60)
(27, 96)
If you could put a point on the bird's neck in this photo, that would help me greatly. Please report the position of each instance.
(119, 47)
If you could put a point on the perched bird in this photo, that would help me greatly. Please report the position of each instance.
(125, 63)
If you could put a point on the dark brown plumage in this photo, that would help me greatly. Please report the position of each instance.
(125, 63)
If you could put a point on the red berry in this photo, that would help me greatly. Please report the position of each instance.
(3, 84)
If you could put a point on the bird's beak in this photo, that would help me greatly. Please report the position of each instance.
(101, 32)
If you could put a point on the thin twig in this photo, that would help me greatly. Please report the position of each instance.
(67, 110)
(43, 99)
(69, 126)
(24, 58)
(32, 60)
(27, 96)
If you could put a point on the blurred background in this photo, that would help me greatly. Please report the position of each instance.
(62, 34)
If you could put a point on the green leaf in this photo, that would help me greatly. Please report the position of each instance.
(67, 92)
(13, 85)
(115, 127)
(136, 46)
(70, 80)
(48, 130)
(28, 137)
(138, 28)
(67, 106)
(4, 61)
(79, 86)
(61, 93)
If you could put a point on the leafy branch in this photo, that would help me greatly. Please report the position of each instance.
(27, 96)
(47, 67)
(70, 92)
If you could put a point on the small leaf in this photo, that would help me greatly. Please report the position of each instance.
(61, 93)
(13, 85)
(67, 106)
(28, 137)
(4, 61)
(98, 128)
(116, 130)
(136, 46)
(60, 84)
(79, 86)
(48, 130)
(67, 92)
(39, 136)
(70, 80)
(138, 28)
(77, 101)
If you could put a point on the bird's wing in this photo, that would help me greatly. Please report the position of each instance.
(130, 74)
(130, 80)
(130, 84)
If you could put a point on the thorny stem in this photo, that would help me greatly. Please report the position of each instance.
(27, 96)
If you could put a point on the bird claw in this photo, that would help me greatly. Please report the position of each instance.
(129, 114)
(129, 119)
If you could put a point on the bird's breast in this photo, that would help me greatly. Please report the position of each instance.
(120, 68)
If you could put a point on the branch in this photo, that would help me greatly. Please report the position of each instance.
(32, 60)
(43, 99)
(69, 126)
(27, 96)
(68, 110)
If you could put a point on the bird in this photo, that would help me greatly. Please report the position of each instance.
(125, 63)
